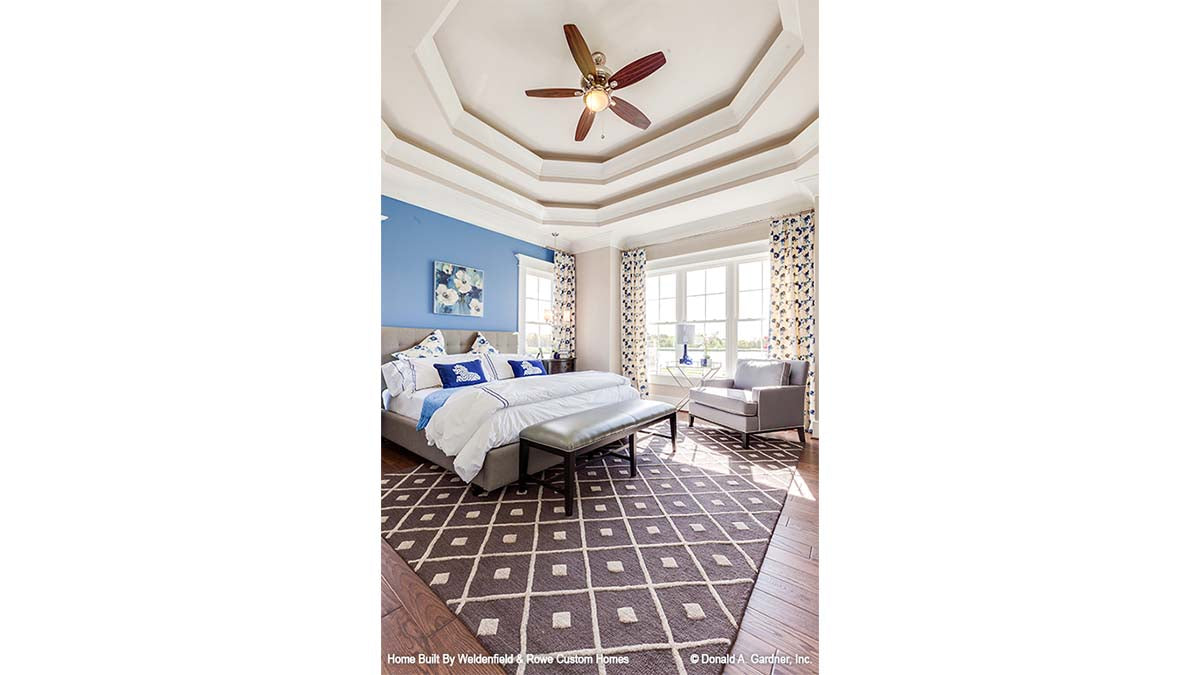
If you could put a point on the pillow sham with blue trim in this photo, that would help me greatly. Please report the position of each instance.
(396, 377)
(527, 368)
(482, 346)
(462, 374)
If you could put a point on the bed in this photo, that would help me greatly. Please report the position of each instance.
(480, 432)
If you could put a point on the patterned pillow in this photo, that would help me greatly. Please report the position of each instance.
(499, 364)
(482, 346)
(527, 367)
(425, 373)
(434, 345)
(462, 374)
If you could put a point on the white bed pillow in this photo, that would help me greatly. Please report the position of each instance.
(426, 376)
(403, 375)
(397, 376)
(498, 364)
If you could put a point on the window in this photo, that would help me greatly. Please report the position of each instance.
(539, 304)
(660, 322)
(754, 292)
(536, 293)
(727, 302)
(705, 291)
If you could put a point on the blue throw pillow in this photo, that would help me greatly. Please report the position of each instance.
(527, 367)
(461, 374)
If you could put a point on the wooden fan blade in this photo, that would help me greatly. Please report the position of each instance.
(585, 124)
(628, 112)
(579, 50)
(637, 70)
(553, 93)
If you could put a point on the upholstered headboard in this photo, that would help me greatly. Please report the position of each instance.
(457, 341)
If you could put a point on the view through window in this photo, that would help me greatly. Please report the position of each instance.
(727, 303)
(539, 303)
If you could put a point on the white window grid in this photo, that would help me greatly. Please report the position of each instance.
(739, 322)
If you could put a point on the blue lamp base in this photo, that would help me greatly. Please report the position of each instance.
(686, 360)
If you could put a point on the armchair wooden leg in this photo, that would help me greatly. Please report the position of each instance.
(800, 433)
(477, 491)
(674, 422)
(745, 440)
(691, 420)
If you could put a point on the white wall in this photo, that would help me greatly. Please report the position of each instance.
(598, 310)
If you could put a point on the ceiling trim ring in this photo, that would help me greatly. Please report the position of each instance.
(779, 58)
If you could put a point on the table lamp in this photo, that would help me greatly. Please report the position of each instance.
(685, 333)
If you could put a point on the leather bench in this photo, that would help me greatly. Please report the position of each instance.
(576, 435)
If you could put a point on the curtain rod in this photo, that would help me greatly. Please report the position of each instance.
(786, 215)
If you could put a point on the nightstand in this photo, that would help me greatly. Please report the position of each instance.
(559, 365)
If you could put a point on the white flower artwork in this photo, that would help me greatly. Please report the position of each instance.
(457, 289)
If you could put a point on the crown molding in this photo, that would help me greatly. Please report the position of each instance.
(784, 52)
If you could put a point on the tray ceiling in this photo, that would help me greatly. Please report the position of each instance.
(494, 51)
(734, 115)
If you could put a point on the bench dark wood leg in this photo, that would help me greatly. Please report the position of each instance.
(674, 423)
(522, 464)
(569, 484)
(633, 455)
(800, 433)
(745, 440)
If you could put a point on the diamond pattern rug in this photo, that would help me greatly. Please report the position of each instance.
(649, 573)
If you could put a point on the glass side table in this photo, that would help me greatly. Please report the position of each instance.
(683, 376)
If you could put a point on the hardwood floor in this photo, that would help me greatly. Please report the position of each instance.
(414, 619)
(780, 620)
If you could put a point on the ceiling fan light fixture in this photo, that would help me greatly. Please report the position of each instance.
(597, 82)
(596, 100)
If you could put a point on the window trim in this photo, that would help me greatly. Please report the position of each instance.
(728, 254)
(538, 268)
(728, 257)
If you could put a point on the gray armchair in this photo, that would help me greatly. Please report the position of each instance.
(762, 396)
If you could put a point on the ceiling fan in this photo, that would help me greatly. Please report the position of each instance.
(598, 83)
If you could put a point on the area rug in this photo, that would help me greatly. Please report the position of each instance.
(650, 575)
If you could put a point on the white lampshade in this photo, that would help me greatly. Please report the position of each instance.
(684, 333)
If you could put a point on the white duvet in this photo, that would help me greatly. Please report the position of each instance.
(479, 418)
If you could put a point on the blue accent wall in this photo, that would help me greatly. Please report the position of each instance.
(414, 237)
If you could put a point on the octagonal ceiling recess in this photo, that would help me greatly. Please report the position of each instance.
(494, 51)
(734, 113)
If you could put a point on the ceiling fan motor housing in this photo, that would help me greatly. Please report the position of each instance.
(602, 73)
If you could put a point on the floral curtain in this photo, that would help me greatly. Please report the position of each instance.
(793, 297)
(633, 319)
(564, 304)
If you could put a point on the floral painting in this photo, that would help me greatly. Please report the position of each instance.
(457, 289)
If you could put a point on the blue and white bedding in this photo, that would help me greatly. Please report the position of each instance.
(467, 422)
